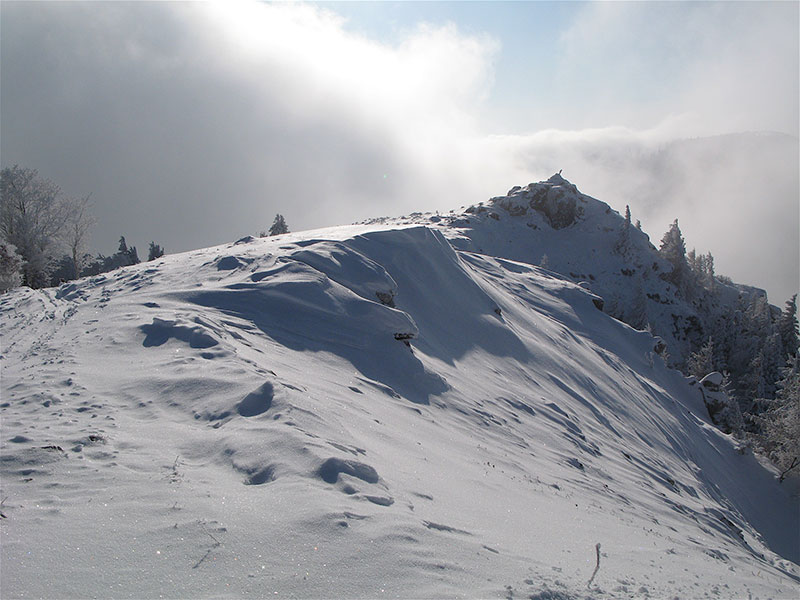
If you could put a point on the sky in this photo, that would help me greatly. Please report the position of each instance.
(193, 124)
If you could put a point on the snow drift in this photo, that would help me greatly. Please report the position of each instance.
(365, 411)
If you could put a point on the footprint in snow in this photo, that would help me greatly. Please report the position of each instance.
(257, 402)
(330, 469)
(260, 476)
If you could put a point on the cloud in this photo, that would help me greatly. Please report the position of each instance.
(194, 123)
(223, 114)
(721, 67)
(735, 195)
(677, 87)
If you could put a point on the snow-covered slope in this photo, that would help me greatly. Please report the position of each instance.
(364, 411)
(585, 241)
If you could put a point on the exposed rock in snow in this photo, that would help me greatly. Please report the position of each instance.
(712, 381)
(556, 199)
(723, 410)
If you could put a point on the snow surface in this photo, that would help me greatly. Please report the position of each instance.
(364, 411)
(581, 238)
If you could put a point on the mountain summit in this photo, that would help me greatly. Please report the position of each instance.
(405, 408)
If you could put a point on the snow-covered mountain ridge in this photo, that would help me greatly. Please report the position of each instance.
(584, 240)
(375, 410)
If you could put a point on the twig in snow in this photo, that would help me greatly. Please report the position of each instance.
(175, 476)
(217, 544)
(597, 568)
(205, 556)
(795, 463)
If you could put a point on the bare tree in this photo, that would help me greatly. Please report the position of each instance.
(38, 220)
(10, 266)
(76, 232)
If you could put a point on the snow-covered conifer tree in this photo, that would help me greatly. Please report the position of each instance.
(673, 249)
(788, 328)
(701, 363)
(637, 314)
(623, 243)
(125, 255)
(545, 262)
(155, 251)
(781, 423)
(278, 226)
(708, 272)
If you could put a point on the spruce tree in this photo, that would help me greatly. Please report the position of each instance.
(624, 240)
(637, 313)
(708, 272)
(780, 425)
(673, 249)
(788, 328)
(155, 251)
(125, 255)
(692, 261)
(278, 226)
(701, 363)
(133, 256)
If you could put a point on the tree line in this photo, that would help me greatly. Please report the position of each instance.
(754, 345)
(44, 234)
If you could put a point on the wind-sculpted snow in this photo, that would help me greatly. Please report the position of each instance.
(361, 412)
(350, 268)
(551, 223)
(160, 330)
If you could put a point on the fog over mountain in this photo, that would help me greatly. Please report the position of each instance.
(191, 124)
(735, 195)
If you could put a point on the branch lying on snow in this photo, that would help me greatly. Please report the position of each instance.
(795, 463)
(597, 568)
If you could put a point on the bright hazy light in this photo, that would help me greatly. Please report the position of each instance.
(194, 123)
